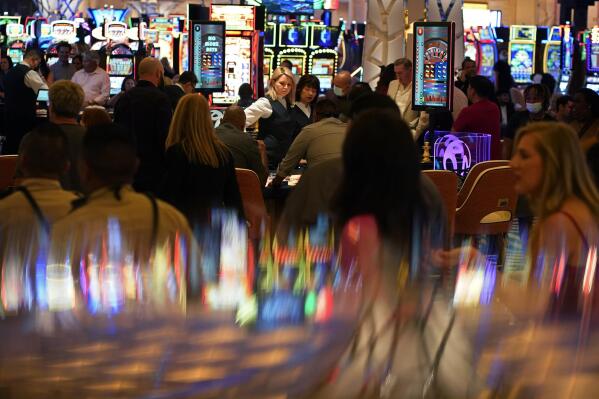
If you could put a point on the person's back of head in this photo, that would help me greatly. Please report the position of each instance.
(326, 108)
(562, 100)
(66, 99)
(591, 98)
(287, 64)
(235, 116)
(109, 157)
(368, 101)
(503, 79)
(380, 161)
(245, 91)
(360, 88)
(93, 116)
(482, 87)
(188, 77)
(150, 69)
(45, 152)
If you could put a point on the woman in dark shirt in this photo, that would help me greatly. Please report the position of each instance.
(306, 95)
(200, 174)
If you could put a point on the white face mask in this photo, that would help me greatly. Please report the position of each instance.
(534, 108)
(338, 91)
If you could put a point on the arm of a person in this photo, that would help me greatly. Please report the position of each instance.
(422, 125)
(255, 162)
(294, 154)
(104, 91)
(34, 81)
(260, 109)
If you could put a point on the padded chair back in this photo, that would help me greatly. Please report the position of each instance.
(447, 184)
(473, 174)
(8, 167)
(489, 204)
(253, 201)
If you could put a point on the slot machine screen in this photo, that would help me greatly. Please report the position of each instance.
(120, 66)
(554, 59)
(15, 54)
(323, 36)
(323, 66)
(116, 82)
(326, 82)
(237, 68)
(270, 35)
(207, 45)
(522, 61)
(293, 36)
(487, 59)
(432, 72)
(592, 53)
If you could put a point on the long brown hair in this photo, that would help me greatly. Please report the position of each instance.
(192, 128)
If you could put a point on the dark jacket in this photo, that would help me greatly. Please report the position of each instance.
(277, 132)
(174, 94)
(20, 106)
(521, 119)
(146, 113)
(300, 119)
(195, 188)
(244, 149)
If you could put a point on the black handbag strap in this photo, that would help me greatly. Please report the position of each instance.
(155, 216)
(35, 207)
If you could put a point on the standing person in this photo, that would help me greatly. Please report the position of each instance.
(306, 95)
(586, 117)
(146, 113)
(502, 73)
(62, 69)
(200, 173)
(93, 79)
(400, 90)
(483, 115)
(21, 85)
(246, 95)
(5, 65)
(468, 71)
(550, 169)
(563, 109)
(342, 84)
(273, 111)
(185, 85)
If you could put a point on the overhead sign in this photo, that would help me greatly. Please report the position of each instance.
(207, 50)
(236, 17)
(64, 30)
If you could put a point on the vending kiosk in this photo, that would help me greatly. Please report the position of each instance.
(521, 51)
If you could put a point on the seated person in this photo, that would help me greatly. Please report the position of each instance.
(317, 142)
(242, 146)
(27, 213)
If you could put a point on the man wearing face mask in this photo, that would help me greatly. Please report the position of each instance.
(537, 99)
(342, 84)
(145, 111)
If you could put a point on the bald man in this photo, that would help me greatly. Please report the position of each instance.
(243, 147)
(145, 111)
(342, 83)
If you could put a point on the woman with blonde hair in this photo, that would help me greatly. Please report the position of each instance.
(200, 174)
(276, 126)
(551, 171)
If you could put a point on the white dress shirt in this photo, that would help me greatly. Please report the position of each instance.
(304, 108)
(260, 109)
(96, 85)
(33, 80)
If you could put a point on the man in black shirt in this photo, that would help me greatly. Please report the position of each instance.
(186, 85)
(145, 111)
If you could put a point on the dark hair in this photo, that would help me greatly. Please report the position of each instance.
(504, 80)
(245, 91)
(379, 140)
(467, 60)
(287, 64)
(593, 161)
(540, 90)
(387, 75)
(326, 108)
(63, 44)
(357, 90)
(45, 151)
(77, 57)
(125, 81)
(10, 63)
(563, 100)
(482, 86)
(109, 152)
(33, 53)
(548, 81)
(188, 77)
(307, 81)
(592, 99)
(371, 100)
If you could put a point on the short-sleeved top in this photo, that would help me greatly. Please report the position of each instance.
(482, 117)
(62, 72)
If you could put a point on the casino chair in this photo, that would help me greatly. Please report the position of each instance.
(487, 204)
(8, 167)
(447, 184)
(473, 174)
(253, 201)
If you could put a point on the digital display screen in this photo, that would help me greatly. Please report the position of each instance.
(116, 82)
(567, 46)
(293, 35)
(470, 50)
(15, 54)
(42, 95)
(519, 32)
(289, 6)
(236, 17)
(432, 72)
(120, 66)
(270, 35)
(237, 68)
(326, 82)
(553, 61)
(208, 54)
(108, 14)
(592, 45)
(323, 66)
(522, 61)
(323, 36)
(297, 63)
(488, 55)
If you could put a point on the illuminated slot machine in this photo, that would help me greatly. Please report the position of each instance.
(592, 62)
(120, 65)
(162, 38)
(184, 52)
(293, 40)
(242, 50)
(101, 17)
(270, 42)
(566, 55)
(487, 51)
(269, 59)
(16, 42)
(323, 60)
(470, 49)
(521, 52)
(6, 20)
(61, 31)
(552, 53)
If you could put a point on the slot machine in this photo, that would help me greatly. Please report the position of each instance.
(16, 42)
(486, 50)
(270, 43)
(61, 31)
(163, 39)
(120, 59)
(243, 57)
(183, 52)
(592, 59)
(521, 52)
(6, 20)
(552, 53)
(293, 40)
(323, 60)
(566, 55)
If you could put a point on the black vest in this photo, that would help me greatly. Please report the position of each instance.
(277, 132)
(300, 119)
(19, 98)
